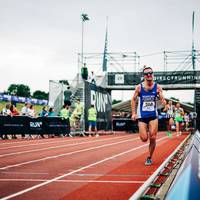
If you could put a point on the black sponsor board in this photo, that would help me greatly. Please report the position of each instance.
(124, 124)
(27, 125)
(163, 78)
(101, 99)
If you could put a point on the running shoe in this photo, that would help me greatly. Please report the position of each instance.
(148, 161)
(169, 134)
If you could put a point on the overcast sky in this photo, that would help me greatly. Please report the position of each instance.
(40, 39)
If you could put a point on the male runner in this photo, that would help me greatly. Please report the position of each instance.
(169, 109)
(146, 114)
(179, 113)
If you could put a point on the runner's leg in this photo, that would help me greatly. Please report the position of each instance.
(153, 129)
(143, 131)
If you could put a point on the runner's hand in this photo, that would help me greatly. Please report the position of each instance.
(134, 116)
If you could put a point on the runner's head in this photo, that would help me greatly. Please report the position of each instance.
(148, 73)
(178, 105)
(170, 102)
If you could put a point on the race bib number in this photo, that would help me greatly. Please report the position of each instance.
(148, 106)
(170, 112)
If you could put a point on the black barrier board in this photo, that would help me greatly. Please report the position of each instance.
(36, 125)
(14, 125)
(101, 98)
(121, 124)
(57, 125)
(163, 78)
(27, 125)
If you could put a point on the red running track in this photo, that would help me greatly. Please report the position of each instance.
(107, 167)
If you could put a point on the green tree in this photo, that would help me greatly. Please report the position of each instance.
(40, 95)
(19, 89)
(12, 89)
(23, 90)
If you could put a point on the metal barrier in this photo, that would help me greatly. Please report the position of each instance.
(27, 125)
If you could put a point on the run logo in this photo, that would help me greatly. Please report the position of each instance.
(35, 124)
(100, 100)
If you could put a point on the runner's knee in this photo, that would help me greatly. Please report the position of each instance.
(152, 137)
(143, 138)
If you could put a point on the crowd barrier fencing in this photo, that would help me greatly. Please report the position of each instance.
(34, 126)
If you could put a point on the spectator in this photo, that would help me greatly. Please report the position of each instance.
(51, 112)
(84, 72)
(93, 78)
(44, 112)
(65, 113)
(67, 96)
(6, 111)
(79, 108)
(92, 118)
(32, 112)
(26, 109)
(14, 110)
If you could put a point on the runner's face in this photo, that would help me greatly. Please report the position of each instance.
(148, 74)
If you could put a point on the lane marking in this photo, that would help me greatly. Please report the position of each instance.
(41, 143)
(75, 171)
(120, 175)
(24, 141)
(70, 181)
(78, 174)
(65, 154)
(25, 173)
(55, 147)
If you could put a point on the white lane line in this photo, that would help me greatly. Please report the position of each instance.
(75, 171)
(118, 175)
(70, 181)
(65, 154)
(55, 147)
(25, 173)
(79, 174)
(25, 141)
(36, 144)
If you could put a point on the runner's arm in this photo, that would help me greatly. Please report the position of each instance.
(160, 93)
(133, 101)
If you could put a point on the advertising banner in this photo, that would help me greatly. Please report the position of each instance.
(163, 78)
(16, 99)
(35, 126)
(101, 99)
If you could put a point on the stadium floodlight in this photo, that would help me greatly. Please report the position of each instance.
(84, 17)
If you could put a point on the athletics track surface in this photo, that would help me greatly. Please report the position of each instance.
(107, 167)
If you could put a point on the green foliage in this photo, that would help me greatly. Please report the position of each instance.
(23, 90)
(19, 89)
(12, 89)
(40, 95)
